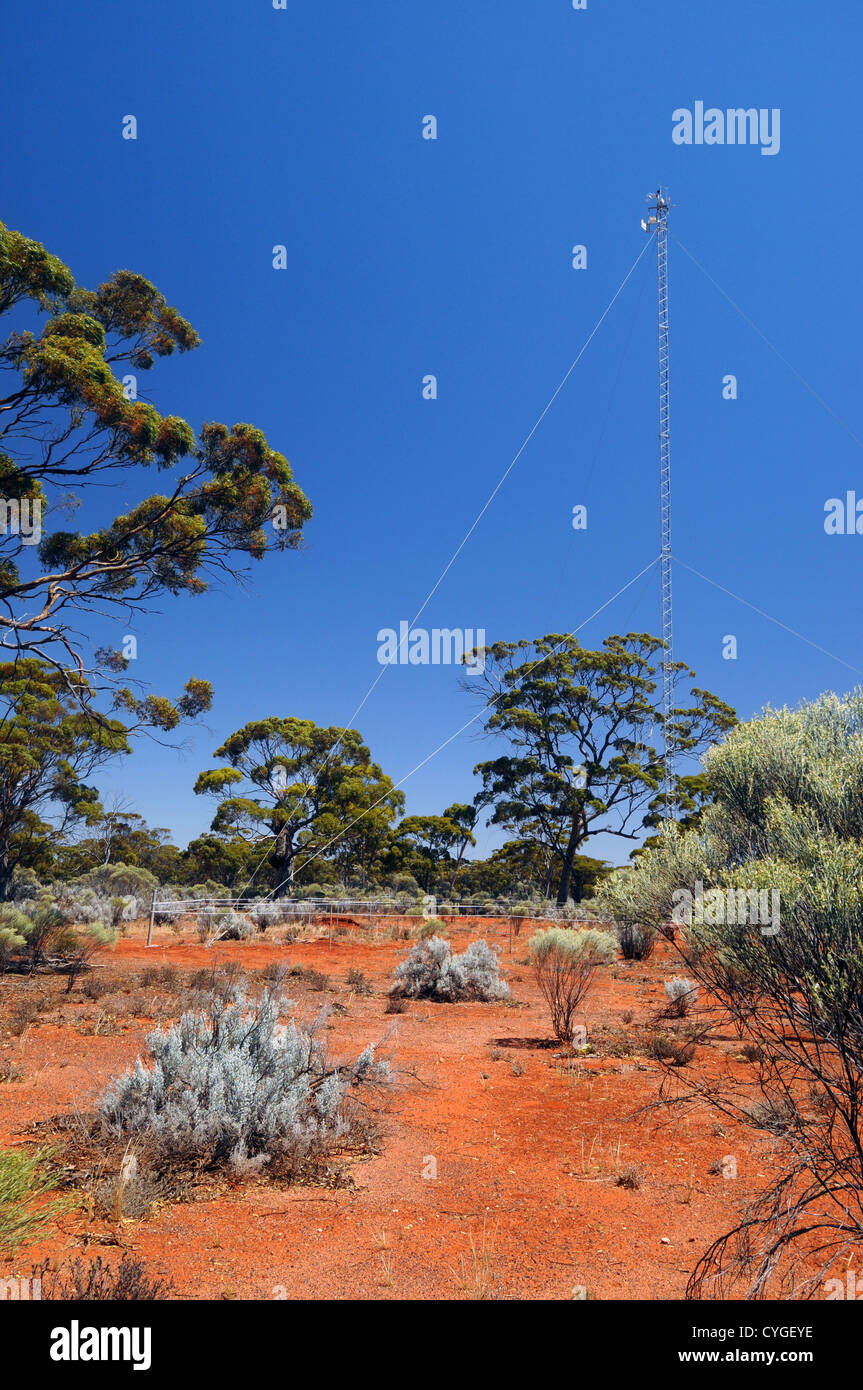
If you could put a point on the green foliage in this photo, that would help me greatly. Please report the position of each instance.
(41, 933)
(786, 819)
(24, 1179)
(579, 723)
(70, 421)
(565, 963)
(431, 848)
(120, 838)
(119, 880)
(591, 946)
(52, 740)
(306, 789)
(432, 926)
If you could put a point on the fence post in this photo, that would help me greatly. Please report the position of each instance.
(152, 919)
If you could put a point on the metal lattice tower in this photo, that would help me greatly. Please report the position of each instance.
(657, 224)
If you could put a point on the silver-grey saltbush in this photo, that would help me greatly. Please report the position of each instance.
(229, 1083)
(433, 971)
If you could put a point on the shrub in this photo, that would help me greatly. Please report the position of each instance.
(164, 976)
(82, 947)
(223, 924)
(565, 963)
(13, 925)
(41, 937)
(167, 916)
(778, 1115)
(264, 914)
(673, 1051)
(222, 980)
(432, 971)
(119, 880)
(276, 972)
(311, 890)
(122, 910)
(128, 1197)
(100, 1283)
(636, 943)
(24, 1013)
(24, 1178)
(229, 1085)
(359, 982)
(403, 885)
(96, 986)
(432, 926)
(235, 927)
(25, 884)
(78, 903)
(682, 995)
(46, 931)
(528, 907)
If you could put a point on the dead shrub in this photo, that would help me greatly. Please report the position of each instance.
(636, 943)
(275, 972)
(163, 976)
(359, 982)
(97, 986)
(777, 1116)
(97, 1282)
(222, 981)
(25, 1013)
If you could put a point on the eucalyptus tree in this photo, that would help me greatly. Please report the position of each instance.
(72, 420)
(584, 730)
(296, 789)
(52, 741)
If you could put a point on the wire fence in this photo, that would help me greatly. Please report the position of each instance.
(340, 912)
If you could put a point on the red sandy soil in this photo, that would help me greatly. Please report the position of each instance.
(526, 1142)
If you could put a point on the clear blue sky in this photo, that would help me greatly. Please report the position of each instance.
(405, 257)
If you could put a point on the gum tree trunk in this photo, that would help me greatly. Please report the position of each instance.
(576, 835)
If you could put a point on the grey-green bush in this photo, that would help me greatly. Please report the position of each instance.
(41, 937)
(682, 995)
(229, 1085)
(786, 820)
(565, 963)
(433, 971)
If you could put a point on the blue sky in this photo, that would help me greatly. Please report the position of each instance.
(406, 257)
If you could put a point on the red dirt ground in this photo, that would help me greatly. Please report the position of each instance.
(525, 1142)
